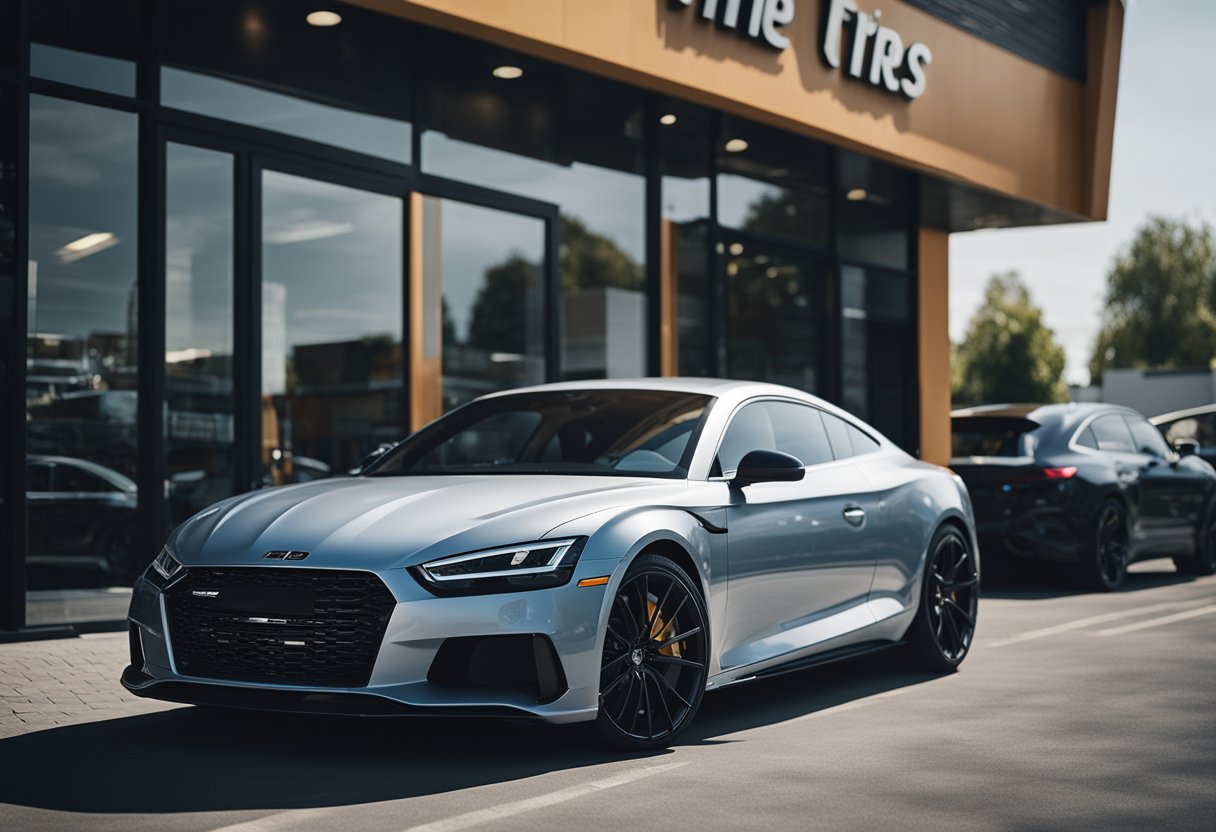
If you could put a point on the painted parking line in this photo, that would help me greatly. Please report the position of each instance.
(518, 807)
(1158, 622)
(1080, 623)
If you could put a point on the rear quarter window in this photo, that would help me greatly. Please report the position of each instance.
(983, 436)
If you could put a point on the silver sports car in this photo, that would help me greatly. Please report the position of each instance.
(600, 552)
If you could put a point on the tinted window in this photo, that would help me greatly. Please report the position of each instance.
(599, 432)
(1201, 429)
(838, 433)
(1148, 439)
(71, 478)
(790, 428)
(1112, 434)
(85, 42)
(1086, 439)
(992, 436)
(863, 443)
(38, 477)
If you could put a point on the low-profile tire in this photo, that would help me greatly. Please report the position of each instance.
(942, 631)
(1203, 562)
(656, 657)
(1104, 561)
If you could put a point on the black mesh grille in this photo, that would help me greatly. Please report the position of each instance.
(215, 637)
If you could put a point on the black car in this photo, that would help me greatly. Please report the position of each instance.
(1091, 486)
(1197, 425)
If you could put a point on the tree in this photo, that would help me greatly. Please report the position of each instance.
(1008, 354)
(1160, 301)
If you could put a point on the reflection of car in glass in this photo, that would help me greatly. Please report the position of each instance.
(1197, 425)
(1088, 485)
(96, 424)
(81, 516)
(561, 552)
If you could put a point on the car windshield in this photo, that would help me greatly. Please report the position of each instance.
(641, 433)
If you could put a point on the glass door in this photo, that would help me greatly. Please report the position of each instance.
(332, 308)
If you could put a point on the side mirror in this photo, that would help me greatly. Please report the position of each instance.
(374, 455)
(1187, 447)
(767, 466)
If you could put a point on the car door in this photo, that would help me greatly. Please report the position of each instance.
(1172, 494)
(801, 554)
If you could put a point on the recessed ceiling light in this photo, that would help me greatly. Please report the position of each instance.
(736, 249)
(323, 19)
(856, 195)
(85, 246)
(667, 120)
(736, 145)
(508, 73)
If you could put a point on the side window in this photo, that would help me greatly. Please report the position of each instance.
(1112, 434)
(71, 478)
(750, 430)
(38, 477)
(790, 428)
(1201, 429)
(862, 442)
(799, 432)
(1148, 439)
(838, 433)
(1086, 439)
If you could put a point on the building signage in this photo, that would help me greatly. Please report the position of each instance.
(876, 53)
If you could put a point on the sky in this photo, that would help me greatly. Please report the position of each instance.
(1164, 164)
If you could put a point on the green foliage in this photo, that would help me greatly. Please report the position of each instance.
(588, 260)
(1160, 301)
(1008, 354)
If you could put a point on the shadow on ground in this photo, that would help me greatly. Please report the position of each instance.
(198, 760)
(1048, 582)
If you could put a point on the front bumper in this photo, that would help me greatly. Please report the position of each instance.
(419, 624)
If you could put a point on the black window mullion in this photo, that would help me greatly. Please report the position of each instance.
(247, 313)
(653, 245)
(150, 305)
(715, 332)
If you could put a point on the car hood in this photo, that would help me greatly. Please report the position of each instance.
(387, 522)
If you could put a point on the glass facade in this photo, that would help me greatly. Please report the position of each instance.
(245, 183)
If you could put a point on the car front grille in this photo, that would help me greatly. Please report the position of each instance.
(283, 625)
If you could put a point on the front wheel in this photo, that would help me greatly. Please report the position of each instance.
(1104, 563)
(941, 632)
(1203, 562)
(656, 656)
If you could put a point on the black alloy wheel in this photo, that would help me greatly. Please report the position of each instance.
(1203, 562)
(942, 632)
(656, 656)
(1104, 565)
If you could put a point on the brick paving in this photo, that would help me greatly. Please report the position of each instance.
(61, 681)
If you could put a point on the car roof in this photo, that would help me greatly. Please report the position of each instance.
(1202, 410)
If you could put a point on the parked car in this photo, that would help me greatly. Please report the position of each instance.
(1094, 486)
(1196, 425)
(598, 552)
(81, 516)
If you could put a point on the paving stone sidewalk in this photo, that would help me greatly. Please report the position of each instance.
(61, 681)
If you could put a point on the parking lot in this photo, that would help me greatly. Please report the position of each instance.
(1073, 711)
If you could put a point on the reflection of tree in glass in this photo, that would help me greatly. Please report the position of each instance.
(587, 260)
(789, 213)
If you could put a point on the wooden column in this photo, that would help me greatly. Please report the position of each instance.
(933, 347)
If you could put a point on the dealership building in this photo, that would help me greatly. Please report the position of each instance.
(244, 242)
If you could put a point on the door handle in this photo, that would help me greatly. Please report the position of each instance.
(854, 515)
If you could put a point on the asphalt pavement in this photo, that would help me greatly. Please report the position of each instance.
(1073, 711)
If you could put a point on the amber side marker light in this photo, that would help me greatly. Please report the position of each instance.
(594, 581)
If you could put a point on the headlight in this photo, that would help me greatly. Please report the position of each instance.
(524, 566)
(165, 564)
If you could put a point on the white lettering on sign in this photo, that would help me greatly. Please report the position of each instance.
(891, 66)
(762, 21)
(876, 53)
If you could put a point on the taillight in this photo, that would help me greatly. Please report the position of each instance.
(1060, 473)
(1044, 474)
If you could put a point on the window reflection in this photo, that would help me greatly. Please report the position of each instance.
(775, 305)
(491, 273)
(81, 352)
(874, 220)
(565, 138)
(878, 368)
(263, 65)
(86, 43)
(331, 326)
(773, 183)
(198, 328)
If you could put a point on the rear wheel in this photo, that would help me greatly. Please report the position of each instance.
(1104, 563)
(941, 633)
(656, 656)
(1203, 562)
